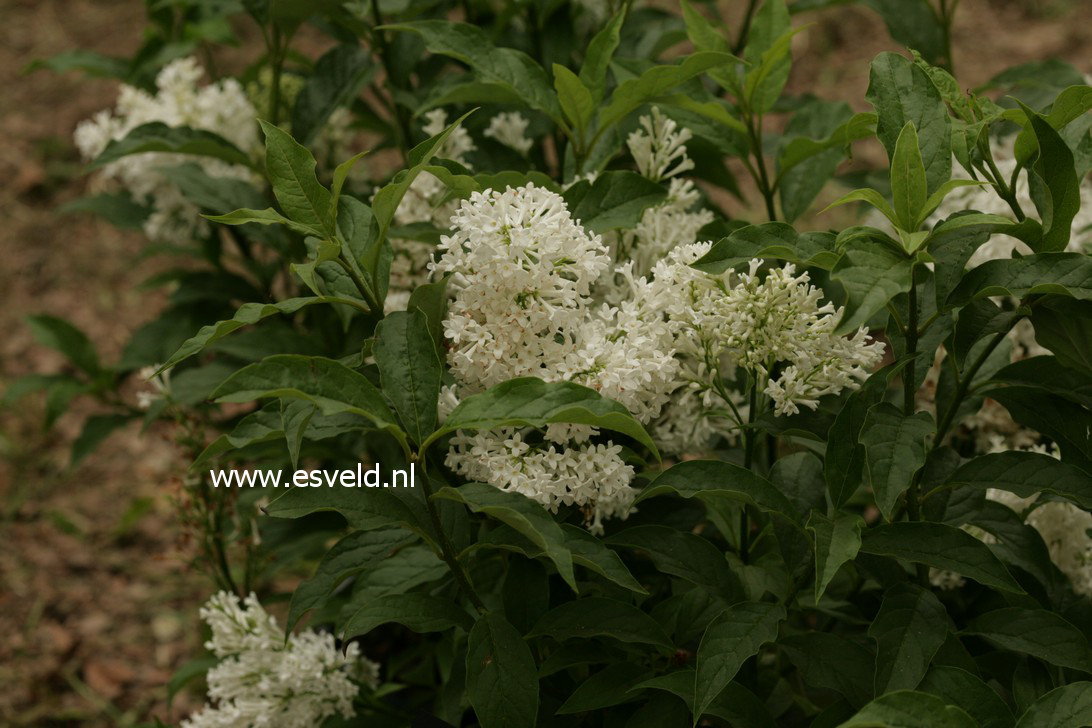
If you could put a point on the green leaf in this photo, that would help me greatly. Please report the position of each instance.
(902, 92)
(938, 196)
(872, 275)
(909, 709)
(737, 634)
(1065, 327)
(291, 169)
(531, 402)
(912, 23)
(268, 216)
(118, 209)
(1068, 705)
(605, 689)
(331, 385)
(591, 553)
(93, 64)
(189, 672)
(95, 429)
(386, 200)
(843, 468)
(599, 617)
(351, 555)
(1025, 474)
(861, 125)
(1036, 632)
(418, 612)
(942, 547)
(909, 629)
(1066, 274)
(706, 37)
(512, 70)
(964, 690)
(832, 662)
(593, 73)
(379, 508)
(336, 79)
(410, 370)
(908, 179)
(158, 137)
(684, 555)
(616, 199)
(248, 314)
(895, 449)
(766, 78)
(1063, 421)
(836, 542)
(501, 679)
(1054, 185)
(576, 99)
(872, 197)
(769, 240)
(522, 514)
(814, 143)
(59, 334)
(709, 480)
(634, 92)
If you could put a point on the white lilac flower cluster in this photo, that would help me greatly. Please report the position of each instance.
(263, 681)
(524, 274)
(774, 326)
(659, 150)
(179, 100)
(510, 129)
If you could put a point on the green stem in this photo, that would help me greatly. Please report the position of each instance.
(401, 125)
(365, 290)
(276, 59)
(754, 132)
(447, 549)
(745, 27)
(748, 462)
(965, 384)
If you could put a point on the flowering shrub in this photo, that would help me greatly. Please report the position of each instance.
(672, 467)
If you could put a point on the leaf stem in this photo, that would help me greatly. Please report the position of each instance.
(965, 384)
(379, 40)
(745, 27)
(447, 549)
(754, 132)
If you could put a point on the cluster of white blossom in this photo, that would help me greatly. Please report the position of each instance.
(426, 201)
(523, 273)
(773, 326)
(263, 681)
(221, 108)
(659, 150)
(510, 129)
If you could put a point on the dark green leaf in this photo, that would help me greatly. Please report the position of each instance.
(59, 334)
(909, 709)
(158, 137)
(291, 169)
(598, 617)
(902, 92)
(337, 77)
(836, 542)
(418, 612)
(522, 514)
(1036, 632)
(351, 555)
(729, 641)
(895, 448)
(616, 199)
(909, 629)
(684, 555)
(942, 547)
(964, 690)
(1066, 274)
(1069, 705)
(410, 370)
(1025, 474)
(531, 402)
(501, 680)
(872, 275)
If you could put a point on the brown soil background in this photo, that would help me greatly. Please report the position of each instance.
(98, 608)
